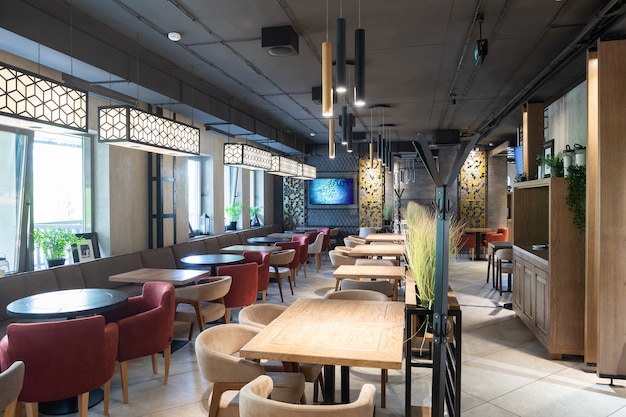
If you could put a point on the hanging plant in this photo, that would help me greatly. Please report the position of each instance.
(577, 194)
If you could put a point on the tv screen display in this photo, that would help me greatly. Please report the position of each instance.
(332, 191)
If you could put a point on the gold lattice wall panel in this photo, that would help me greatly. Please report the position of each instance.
(473, 189)
(371, 187)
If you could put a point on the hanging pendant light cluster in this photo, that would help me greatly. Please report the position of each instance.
(341, 81)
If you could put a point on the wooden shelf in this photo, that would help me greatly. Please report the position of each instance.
(549, 284)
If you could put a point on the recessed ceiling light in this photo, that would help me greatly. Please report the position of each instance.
(312, 134)
(174, 36)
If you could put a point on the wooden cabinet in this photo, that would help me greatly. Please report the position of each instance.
(549, 288)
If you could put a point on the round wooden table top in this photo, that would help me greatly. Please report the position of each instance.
(67, 303)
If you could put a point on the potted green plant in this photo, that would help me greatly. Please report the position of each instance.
(233, 212)
(254, 216)
(421, 248)
(554, 162)
(55, 243)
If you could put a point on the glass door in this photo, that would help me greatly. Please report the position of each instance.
(15, 199)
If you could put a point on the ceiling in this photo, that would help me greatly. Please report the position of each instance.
(419, 60)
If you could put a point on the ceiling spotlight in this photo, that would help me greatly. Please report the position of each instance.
(312, 134)
(174, 36)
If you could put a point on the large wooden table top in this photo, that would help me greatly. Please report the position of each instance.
(173, 276)
(334, 332)
(385, 237)
(240, 249)
(377, 250)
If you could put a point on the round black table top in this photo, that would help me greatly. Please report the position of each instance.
(212, 259)
(267, 239)
(67, 303)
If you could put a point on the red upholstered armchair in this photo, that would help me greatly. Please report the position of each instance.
(146, 324)
(62, 359)
(468, 241)
(244, 286)
(262, 259)
(501, 235)
(304, 250)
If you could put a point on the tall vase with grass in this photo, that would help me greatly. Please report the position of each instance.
(421, 249)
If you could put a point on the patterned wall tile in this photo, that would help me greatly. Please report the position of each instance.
(371, 196)
(473, 189)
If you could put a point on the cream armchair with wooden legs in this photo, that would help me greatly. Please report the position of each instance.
(315, 250)
(260, 315)
(202, 303)
(255, 401)
(279, 268)
(217, 350)
(11, 381)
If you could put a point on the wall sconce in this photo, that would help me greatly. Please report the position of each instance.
(248, 157)
(130, 127)
(28, 96)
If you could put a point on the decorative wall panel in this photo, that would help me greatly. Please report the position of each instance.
(294, 201)
(371, 196)
(473, 189)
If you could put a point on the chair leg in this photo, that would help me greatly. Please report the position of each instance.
(107, 395)
(280, 289)
(318, 261)
(32, 409)
(124, 376)
(472, 253)
(9, 411)
(155, 365)
(383, 387)
(227, 315)
(304, 268)
(294, 273)
(289, 279)
(167, 354)
(83, 404)
(489, 259)
(264, 296)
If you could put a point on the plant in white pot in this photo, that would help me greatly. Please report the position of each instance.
(55, 243)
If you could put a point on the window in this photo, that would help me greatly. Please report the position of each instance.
(200, 195)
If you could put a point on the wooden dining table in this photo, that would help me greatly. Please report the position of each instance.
(173, 276)
(385, 237)
(334, 333)
(374, 250)
(240, 249)
(393, 274)
(478, 232)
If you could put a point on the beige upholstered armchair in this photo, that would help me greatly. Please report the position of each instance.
(217, 351)
(254, 402)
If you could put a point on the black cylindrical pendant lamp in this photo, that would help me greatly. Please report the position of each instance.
(379, 151)
(344, 125)
(383, 152)
(359, 67)
(342, 83)
(350, 120)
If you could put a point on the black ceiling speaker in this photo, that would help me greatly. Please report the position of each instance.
(280, 40)
(445, 137)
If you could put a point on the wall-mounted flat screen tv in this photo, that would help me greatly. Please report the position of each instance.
(332, 191)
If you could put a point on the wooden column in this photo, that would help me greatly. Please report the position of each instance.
(612, 209)
(532, 137)
(592, 230)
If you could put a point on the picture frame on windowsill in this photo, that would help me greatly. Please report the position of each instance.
(95, 247)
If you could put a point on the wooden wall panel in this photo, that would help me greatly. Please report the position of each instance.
(612, 209)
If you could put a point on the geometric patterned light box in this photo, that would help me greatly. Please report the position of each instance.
(130, 127)
(246, 156)
(31, 97)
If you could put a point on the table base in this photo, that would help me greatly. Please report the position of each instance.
(69, 405)
(329, 384)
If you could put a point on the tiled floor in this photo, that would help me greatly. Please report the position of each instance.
(505, 372)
